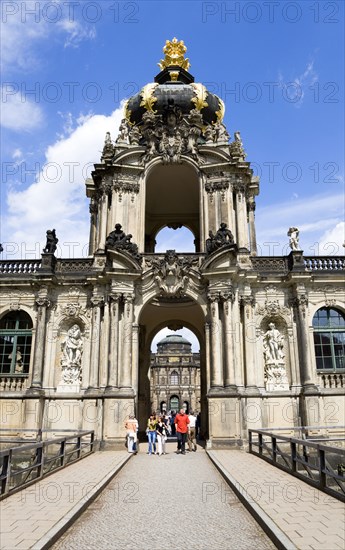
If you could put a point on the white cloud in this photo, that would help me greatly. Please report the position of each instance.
(17, 154)
(296, 86)
(18, 112)
(57, 198)
(24, 25)
(332, 241)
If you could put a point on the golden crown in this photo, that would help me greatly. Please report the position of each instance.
(174, 51)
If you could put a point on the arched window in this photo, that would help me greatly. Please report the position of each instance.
(329, 339)
(15, 343)
(174, 378)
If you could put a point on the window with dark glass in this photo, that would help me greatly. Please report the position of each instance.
(15, 343)
(174, 378)
(329, 339)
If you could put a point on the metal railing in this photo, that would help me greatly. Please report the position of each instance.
(23, 465)
(320, 465)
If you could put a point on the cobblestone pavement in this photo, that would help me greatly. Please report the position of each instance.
(166, 502)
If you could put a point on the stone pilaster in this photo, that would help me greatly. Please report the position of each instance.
(249, 342)
(241, 215)
(216, 352)
(102, 224)
(114, 304)
(97, 303)
(229, 359)
(300, 304)
(42, 304)
(93, 208)
(252, 230)
(125, 380)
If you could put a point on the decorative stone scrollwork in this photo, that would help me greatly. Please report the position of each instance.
(222, 238)
(274, 357)
(171, 274)
(118, 240)
(72, 351)
(214, 186)
(129, 184)
(272, 308)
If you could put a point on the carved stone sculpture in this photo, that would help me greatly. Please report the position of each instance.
(274, 357)
(236, 148)
(108, 149)
(293, 234)
(171, 274)
(72, 350)
(223, 237)
(118, 239)
(123, 132)
(51, 243)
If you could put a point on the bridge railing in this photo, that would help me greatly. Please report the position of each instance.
(320, 465)
(25, 464)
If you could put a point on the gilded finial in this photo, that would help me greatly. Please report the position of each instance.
(174, 51)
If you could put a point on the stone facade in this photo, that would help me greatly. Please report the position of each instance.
(75, 334)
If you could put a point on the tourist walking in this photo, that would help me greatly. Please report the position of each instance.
(181, 425)
(151, 431)
(132, 431)
(162, 436)
(192, 432)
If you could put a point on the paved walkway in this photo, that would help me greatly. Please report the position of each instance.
(296, 514)
(164, 502)
(33, 517)
(141, 507)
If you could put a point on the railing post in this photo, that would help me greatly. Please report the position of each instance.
(62, 452)
(5, 473)
(274, 449)
(322, 469)
(250, 440)
(79, 446)
(92, 441)
(39, 460)
(293, 456)
(260, 444)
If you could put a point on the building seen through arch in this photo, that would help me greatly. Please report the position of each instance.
(175, 376)
(79, 331)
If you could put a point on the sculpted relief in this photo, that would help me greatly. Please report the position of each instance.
(72, 351)
(274, 358)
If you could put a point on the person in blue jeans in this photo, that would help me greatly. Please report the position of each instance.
(151, 431)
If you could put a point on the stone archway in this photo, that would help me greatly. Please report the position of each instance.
(174, 314)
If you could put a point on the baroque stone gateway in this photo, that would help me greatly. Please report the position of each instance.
(76, 334)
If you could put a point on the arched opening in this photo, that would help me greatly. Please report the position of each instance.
(172, 369)
(172, 200)
(180, 239)
(15, 343)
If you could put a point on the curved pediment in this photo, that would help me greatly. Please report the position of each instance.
(123, 260)
(222, 258)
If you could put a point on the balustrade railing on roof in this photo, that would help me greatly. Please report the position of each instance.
(19, 266)
(324, 263)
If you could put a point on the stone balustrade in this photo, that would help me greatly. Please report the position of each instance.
(13, 383)
(331, 380)
(324, 263)
(19, 266)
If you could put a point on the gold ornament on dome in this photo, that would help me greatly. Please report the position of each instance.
(147, 96)
(201, 95)
(221, 112)
(174, 51)
(127, 113)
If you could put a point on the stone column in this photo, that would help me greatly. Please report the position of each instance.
(102, 221)
(229, 371)
(114, 341)
(97, 303)
(241, 215)
(93, 208)
(135, 358)
(252, 231)
(216, 352)
(249, 341)
(126, 362)
(208, 355)
(37, 374)
(300, 304)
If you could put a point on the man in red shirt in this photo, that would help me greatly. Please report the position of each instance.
(181, 423)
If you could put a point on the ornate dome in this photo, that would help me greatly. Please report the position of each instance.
(173, 339)
(174, 93)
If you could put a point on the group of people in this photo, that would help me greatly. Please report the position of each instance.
(158, 428)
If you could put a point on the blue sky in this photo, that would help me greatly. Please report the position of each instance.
(67, 66)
